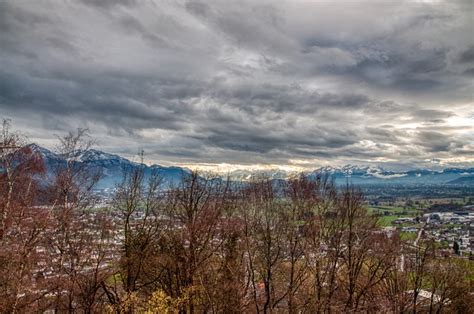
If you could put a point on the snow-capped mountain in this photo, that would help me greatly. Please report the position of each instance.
(375, 175)
(363, 175)
(348, 171)
(44, 152)
(92, 155)
(249, 175)
(113, 167)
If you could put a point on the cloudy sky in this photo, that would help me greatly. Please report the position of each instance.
(293, 84)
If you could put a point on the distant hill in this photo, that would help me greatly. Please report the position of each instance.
(467, 180)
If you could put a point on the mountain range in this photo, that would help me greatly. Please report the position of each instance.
(113, 167)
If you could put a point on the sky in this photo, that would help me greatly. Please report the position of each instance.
(246, 84)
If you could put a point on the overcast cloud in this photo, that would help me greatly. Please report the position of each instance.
(246, 82)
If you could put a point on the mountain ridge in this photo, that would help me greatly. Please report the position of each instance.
(114, 166)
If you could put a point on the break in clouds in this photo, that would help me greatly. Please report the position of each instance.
(246, 82)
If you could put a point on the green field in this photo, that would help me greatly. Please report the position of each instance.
(388, 214)
(408, 236)
(386, 221)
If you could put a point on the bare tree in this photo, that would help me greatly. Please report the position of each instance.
(366, 258)
(448, 285)
(193, 238)
(22, 224)
(79, 237)
(323, 231)
(264, 244)
(138, 202)
(393, 288)
(301, 199)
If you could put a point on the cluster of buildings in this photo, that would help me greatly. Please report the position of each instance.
(452, 228)
(456, 229)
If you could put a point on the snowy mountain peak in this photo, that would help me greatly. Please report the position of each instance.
(360, 171)
(97, 155)
(111, 166)
(44, 152)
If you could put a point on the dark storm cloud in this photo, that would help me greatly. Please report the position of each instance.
(467, 56)
(283, 98)
(92, 101)
(265, 140)
(402, 72)
(386, 134)
(107, 4)
(244, 82)
(436, 141)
